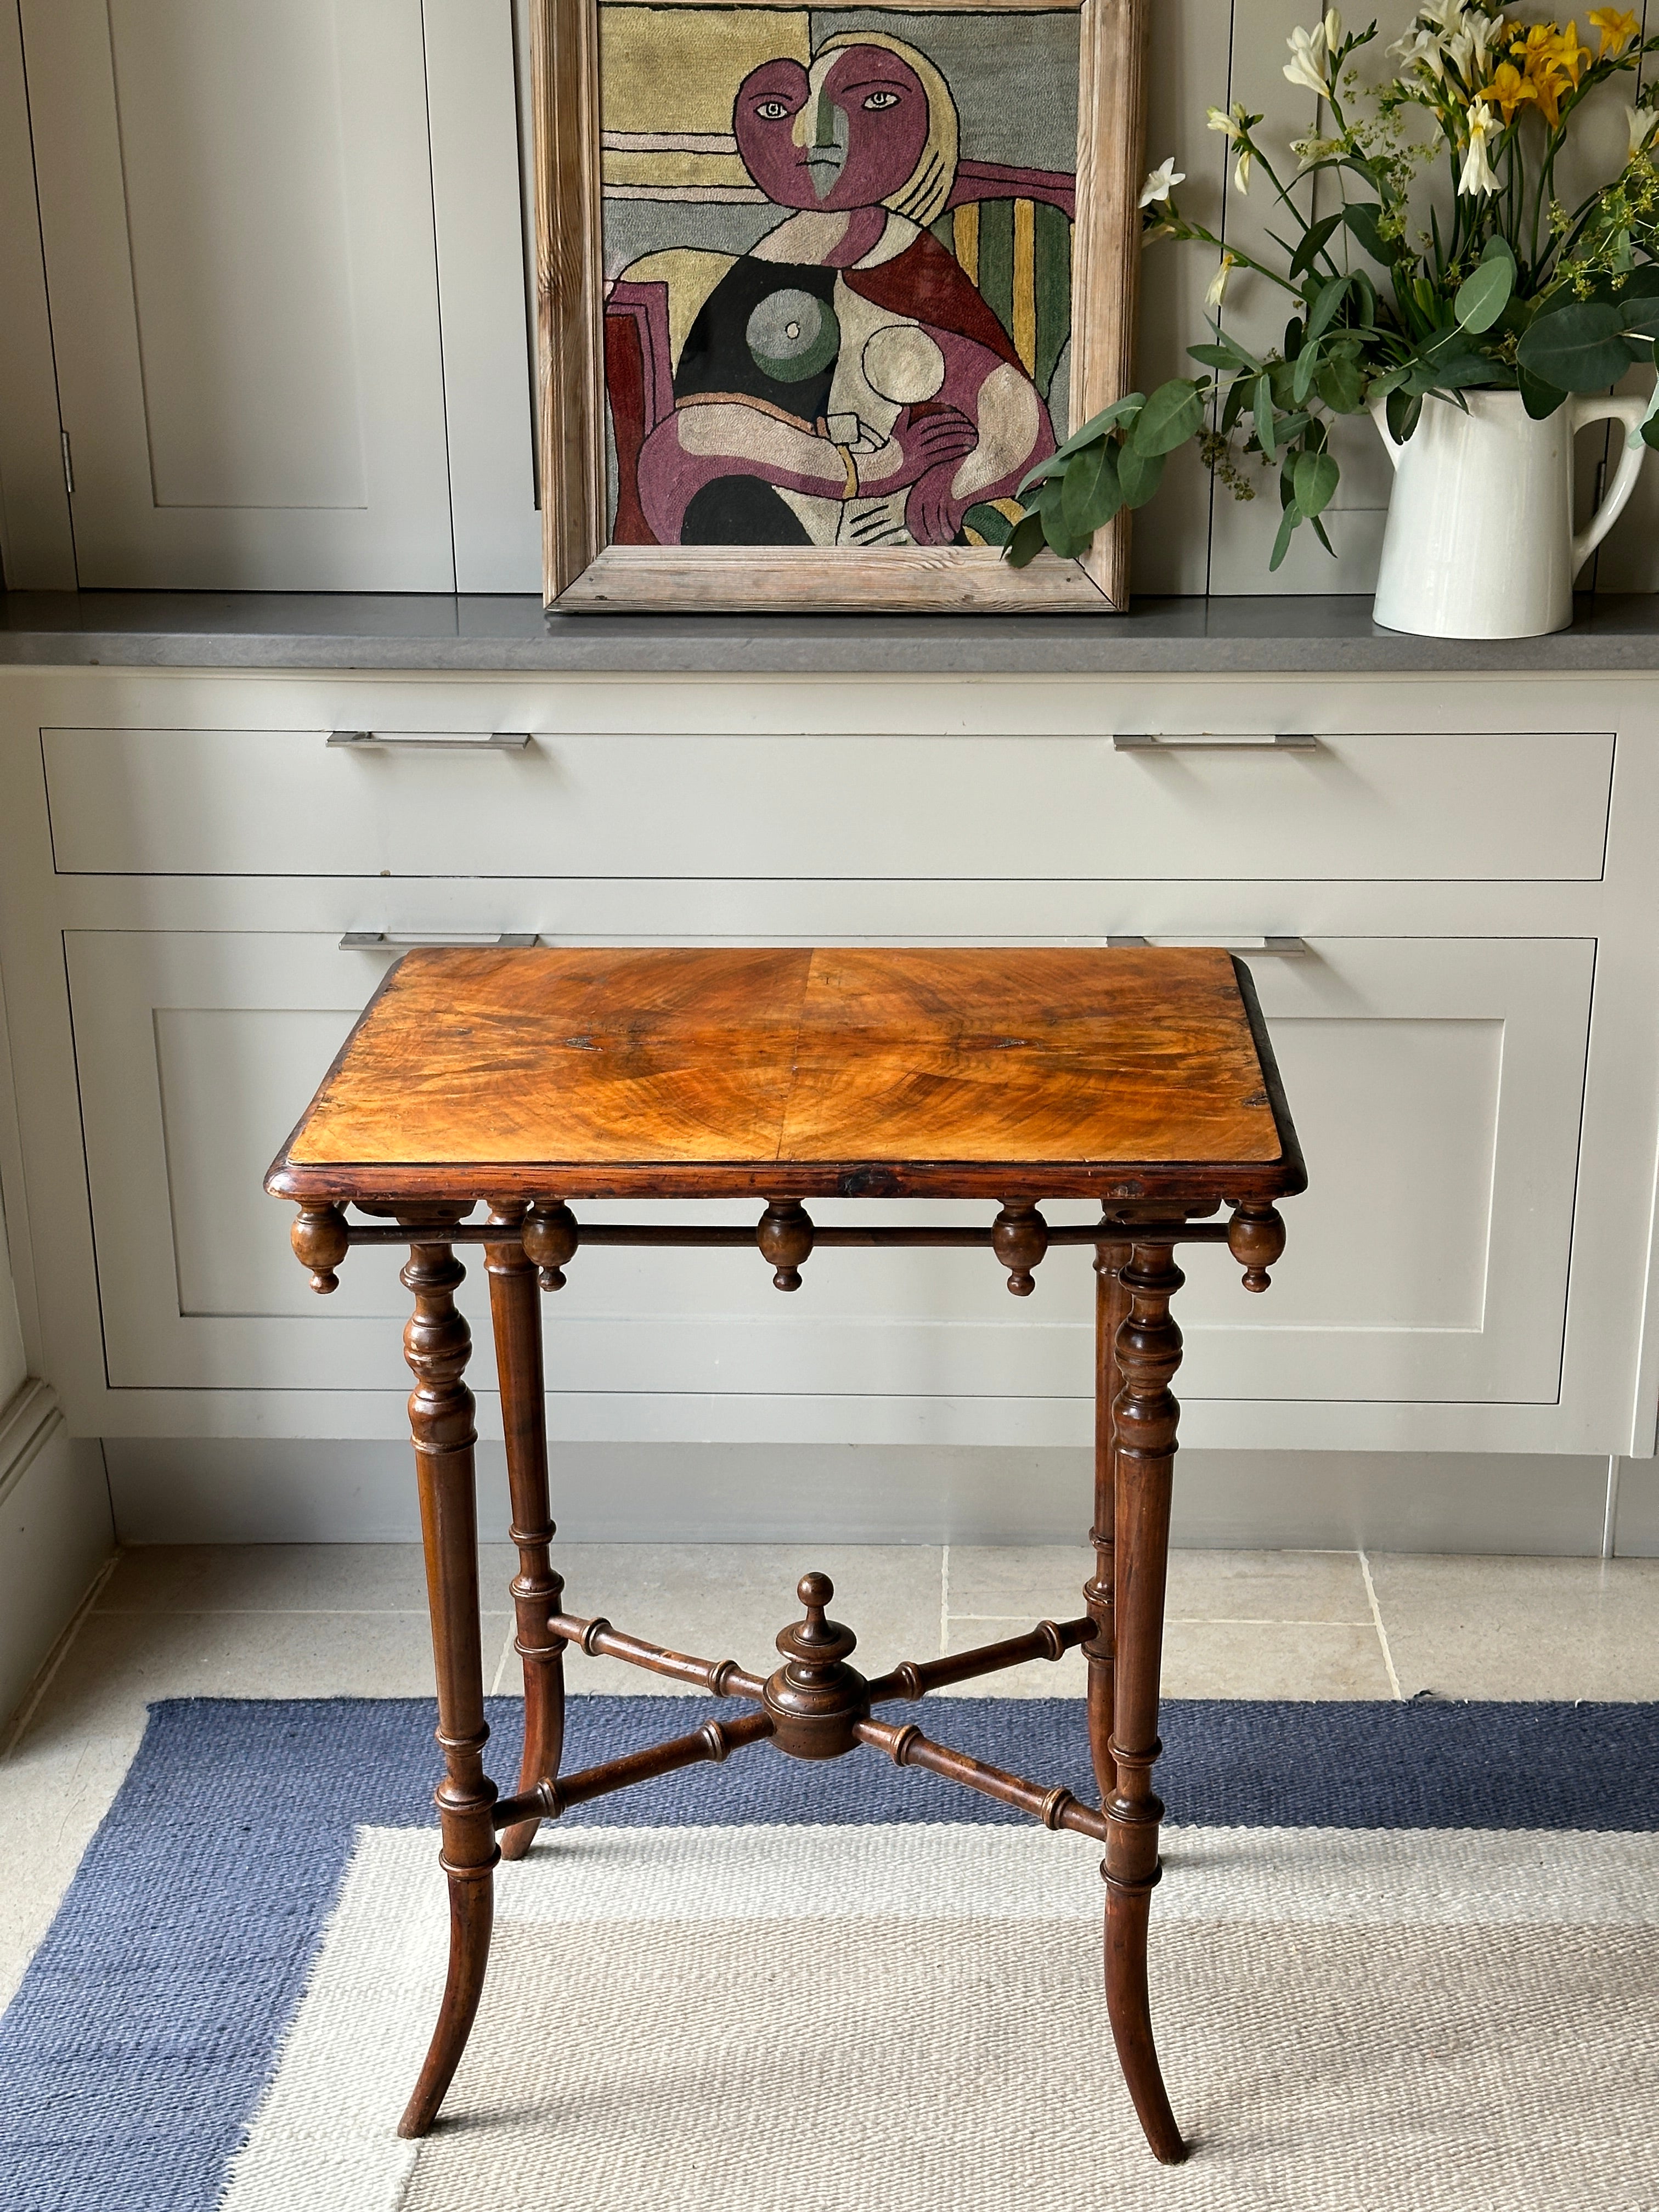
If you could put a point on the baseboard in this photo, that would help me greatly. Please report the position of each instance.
(287, 1490)
(56, 1533)
(1637, 1519)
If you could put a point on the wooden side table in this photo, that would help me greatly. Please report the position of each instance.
(522, 1079)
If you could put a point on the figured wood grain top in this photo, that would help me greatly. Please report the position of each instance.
(567, 1071)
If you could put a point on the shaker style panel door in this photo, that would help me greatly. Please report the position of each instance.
(196, 1053)
(1436, 1086)
(425, 792)
(236, 205)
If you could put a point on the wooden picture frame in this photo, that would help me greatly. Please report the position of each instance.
(582, 572)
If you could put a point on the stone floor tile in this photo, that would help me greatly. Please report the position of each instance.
(1522, 1627)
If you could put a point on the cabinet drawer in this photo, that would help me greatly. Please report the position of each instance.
(1437, 1083)
(1464, 807)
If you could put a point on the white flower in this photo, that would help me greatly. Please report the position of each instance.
(1421, 47)
(1306, 66)
(1641, 123)
(1229, 119)
(1487, 32)
(1242, 169)
(1470, 47)
(1160, 182)
(1217, 290)
(1333, 29)
(1478, 177)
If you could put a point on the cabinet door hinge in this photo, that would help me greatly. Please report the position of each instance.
(69, 465)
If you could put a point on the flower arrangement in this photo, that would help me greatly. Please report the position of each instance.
(1401, 291)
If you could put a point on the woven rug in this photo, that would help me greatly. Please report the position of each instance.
(1403, 1957)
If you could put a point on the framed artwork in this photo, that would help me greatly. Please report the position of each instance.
(817, 288)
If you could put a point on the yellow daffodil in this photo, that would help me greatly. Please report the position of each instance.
(1508, 88)
(1570, 56)
(1618, 28)
(1478, 178)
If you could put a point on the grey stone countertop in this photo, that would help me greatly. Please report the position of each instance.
(511, 634)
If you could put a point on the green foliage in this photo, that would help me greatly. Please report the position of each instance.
(1580, 348)
(1507, 289)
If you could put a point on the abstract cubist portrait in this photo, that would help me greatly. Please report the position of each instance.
(837, 260)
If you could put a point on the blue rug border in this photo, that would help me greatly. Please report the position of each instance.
(140, 2043)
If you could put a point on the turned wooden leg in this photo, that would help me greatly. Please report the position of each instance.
(1111, 1303)
(538, 1591)
(436, 1344)
(1148, 1354)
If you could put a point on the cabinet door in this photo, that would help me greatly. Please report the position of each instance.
(1436, 1086)
(236, 205)
(1436, 1083)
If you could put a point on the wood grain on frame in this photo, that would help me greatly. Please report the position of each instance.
(905, 579)
(582, 572)
(564, 66)
(1111, 134)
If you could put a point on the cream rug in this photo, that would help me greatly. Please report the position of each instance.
(885, 2018)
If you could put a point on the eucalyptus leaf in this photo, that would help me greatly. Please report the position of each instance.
(1341, 384)
(1026, 542)
(1580, 348)
(1317, 478)
(1455, 372)
(1648, 424)
(1363, 218)
(1307, 368)
(1286, 531)
(1172, 414)
(1062, 542)
(1324, 311)
(1263, 405)
(1091, 494)
(1484, 294)
(1138, 475)
(1641, 315)
(1539, 399)
(1404, 411)
(1313, 239)
(1095, 426)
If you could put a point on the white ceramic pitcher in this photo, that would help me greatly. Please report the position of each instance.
(1479, 541)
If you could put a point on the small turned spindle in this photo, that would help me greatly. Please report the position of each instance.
(319, 1241)
(1019, 1237)
(816, 1700)
(1255, 1238)
(784, 1234)
(549, 1238)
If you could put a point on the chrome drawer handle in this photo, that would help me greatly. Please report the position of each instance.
(1248, 948)
(387, 940)
(1213, 741)
(420, 741)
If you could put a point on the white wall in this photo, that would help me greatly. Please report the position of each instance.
(450, 287)
(13, 1365)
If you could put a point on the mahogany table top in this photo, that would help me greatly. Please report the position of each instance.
(576, 1072)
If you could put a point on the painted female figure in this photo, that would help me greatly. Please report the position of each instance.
(842, 383)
